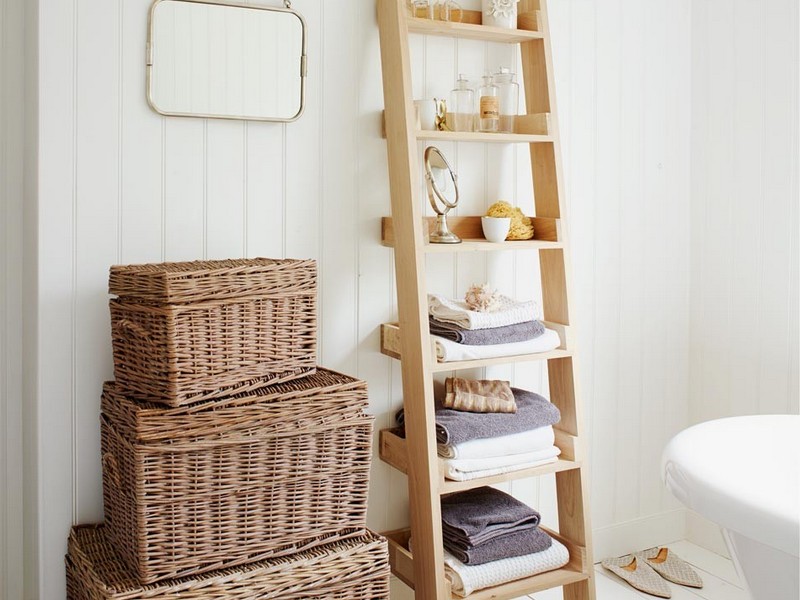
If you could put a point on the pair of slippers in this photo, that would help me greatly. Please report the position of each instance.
(645, 570)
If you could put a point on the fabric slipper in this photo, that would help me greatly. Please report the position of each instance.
(670, 566)
(638, 575)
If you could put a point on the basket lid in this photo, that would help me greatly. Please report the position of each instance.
(96, 566)
(325, 395)
(197, 281)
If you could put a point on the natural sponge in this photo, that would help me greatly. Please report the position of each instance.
(521, 226)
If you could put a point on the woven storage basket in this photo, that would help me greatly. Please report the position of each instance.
(355, 569)
(236, 480)
(184, 332)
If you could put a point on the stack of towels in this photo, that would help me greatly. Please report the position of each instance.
(511, 328)
(490, 538)
(480, 444)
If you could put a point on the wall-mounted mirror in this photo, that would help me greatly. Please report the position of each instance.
(209, 58)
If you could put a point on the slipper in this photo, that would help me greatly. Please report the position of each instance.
(638, 574)
(670, 566)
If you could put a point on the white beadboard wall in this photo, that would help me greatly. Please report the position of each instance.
(744, 312)
(11, 187)
(121, 184)
(745, 198)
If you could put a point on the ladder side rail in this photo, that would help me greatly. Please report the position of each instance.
(548, 182)
(429, 581)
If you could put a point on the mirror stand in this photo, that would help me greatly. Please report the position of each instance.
(441, 234)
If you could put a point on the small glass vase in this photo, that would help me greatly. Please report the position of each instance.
(500, 13)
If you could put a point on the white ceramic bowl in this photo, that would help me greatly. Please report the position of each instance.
(495, 229)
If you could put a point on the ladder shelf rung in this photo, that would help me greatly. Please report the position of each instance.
(401, 560)
(474, 31)
(478, 136)
(393, 451)
(546, 235)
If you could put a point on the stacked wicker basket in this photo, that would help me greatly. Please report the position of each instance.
(232, 466)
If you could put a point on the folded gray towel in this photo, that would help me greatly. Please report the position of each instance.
(477, 516)
(520, 543)
(456, 426)
(509, 334)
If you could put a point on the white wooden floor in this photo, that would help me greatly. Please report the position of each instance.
(719, 577)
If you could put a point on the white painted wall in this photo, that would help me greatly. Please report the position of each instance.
(119, 184)
(745, 197)
(745, 208)
(11, 203)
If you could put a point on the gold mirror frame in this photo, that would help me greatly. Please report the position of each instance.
(303, 62)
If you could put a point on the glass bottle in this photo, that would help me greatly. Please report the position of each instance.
(508, 90)
(488, 106)
(462, 105)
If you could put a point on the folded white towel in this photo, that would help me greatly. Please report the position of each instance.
(449, 351)
(509, 312)
(466, 579)
(475, 468)
(534, 440)
(481, 464)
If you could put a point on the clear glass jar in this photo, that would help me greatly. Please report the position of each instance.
(508, 90)
(462, 106)
(488, 106)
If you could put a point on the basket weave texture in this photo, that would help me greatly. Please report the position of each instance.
(237, 480)
(185, 332)
(355, 569)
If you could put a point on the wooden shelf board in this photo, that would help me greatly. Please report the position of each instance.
(401, 561)
(483, 245)
(546, 236)
(472, 31)
(443, 367)
(477, 136)
(393, 451)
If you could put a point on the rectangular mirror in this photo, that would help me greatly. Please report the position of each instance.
(208, 58)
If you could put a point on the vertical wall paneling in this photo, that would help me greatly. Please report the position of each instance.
(11, 206)
(57, 502)
(744, 211)
(143, 160)
(606, 250)
(95, 232)
(339, 184)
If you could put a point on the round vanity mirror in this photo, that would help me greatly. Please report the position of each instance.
(442, 187)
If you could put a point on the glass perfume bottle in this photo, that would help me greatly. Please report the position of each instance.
(508, 91)
(462, 106)
(488, 106)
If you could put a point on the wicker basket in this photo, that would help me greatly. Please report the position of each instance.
(355, 569)
(237, 480)
(185, 332)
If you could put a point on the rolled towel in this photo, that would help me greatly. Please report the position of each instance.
(541, 438)
(466, 579)
(508, 334)
(481, 396)
(453, 474)
(450, 351)
(507, 546)
(477, 516)
(509, 312)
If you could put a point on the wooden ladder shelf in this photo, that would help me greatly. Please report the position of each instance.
(416, 454)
